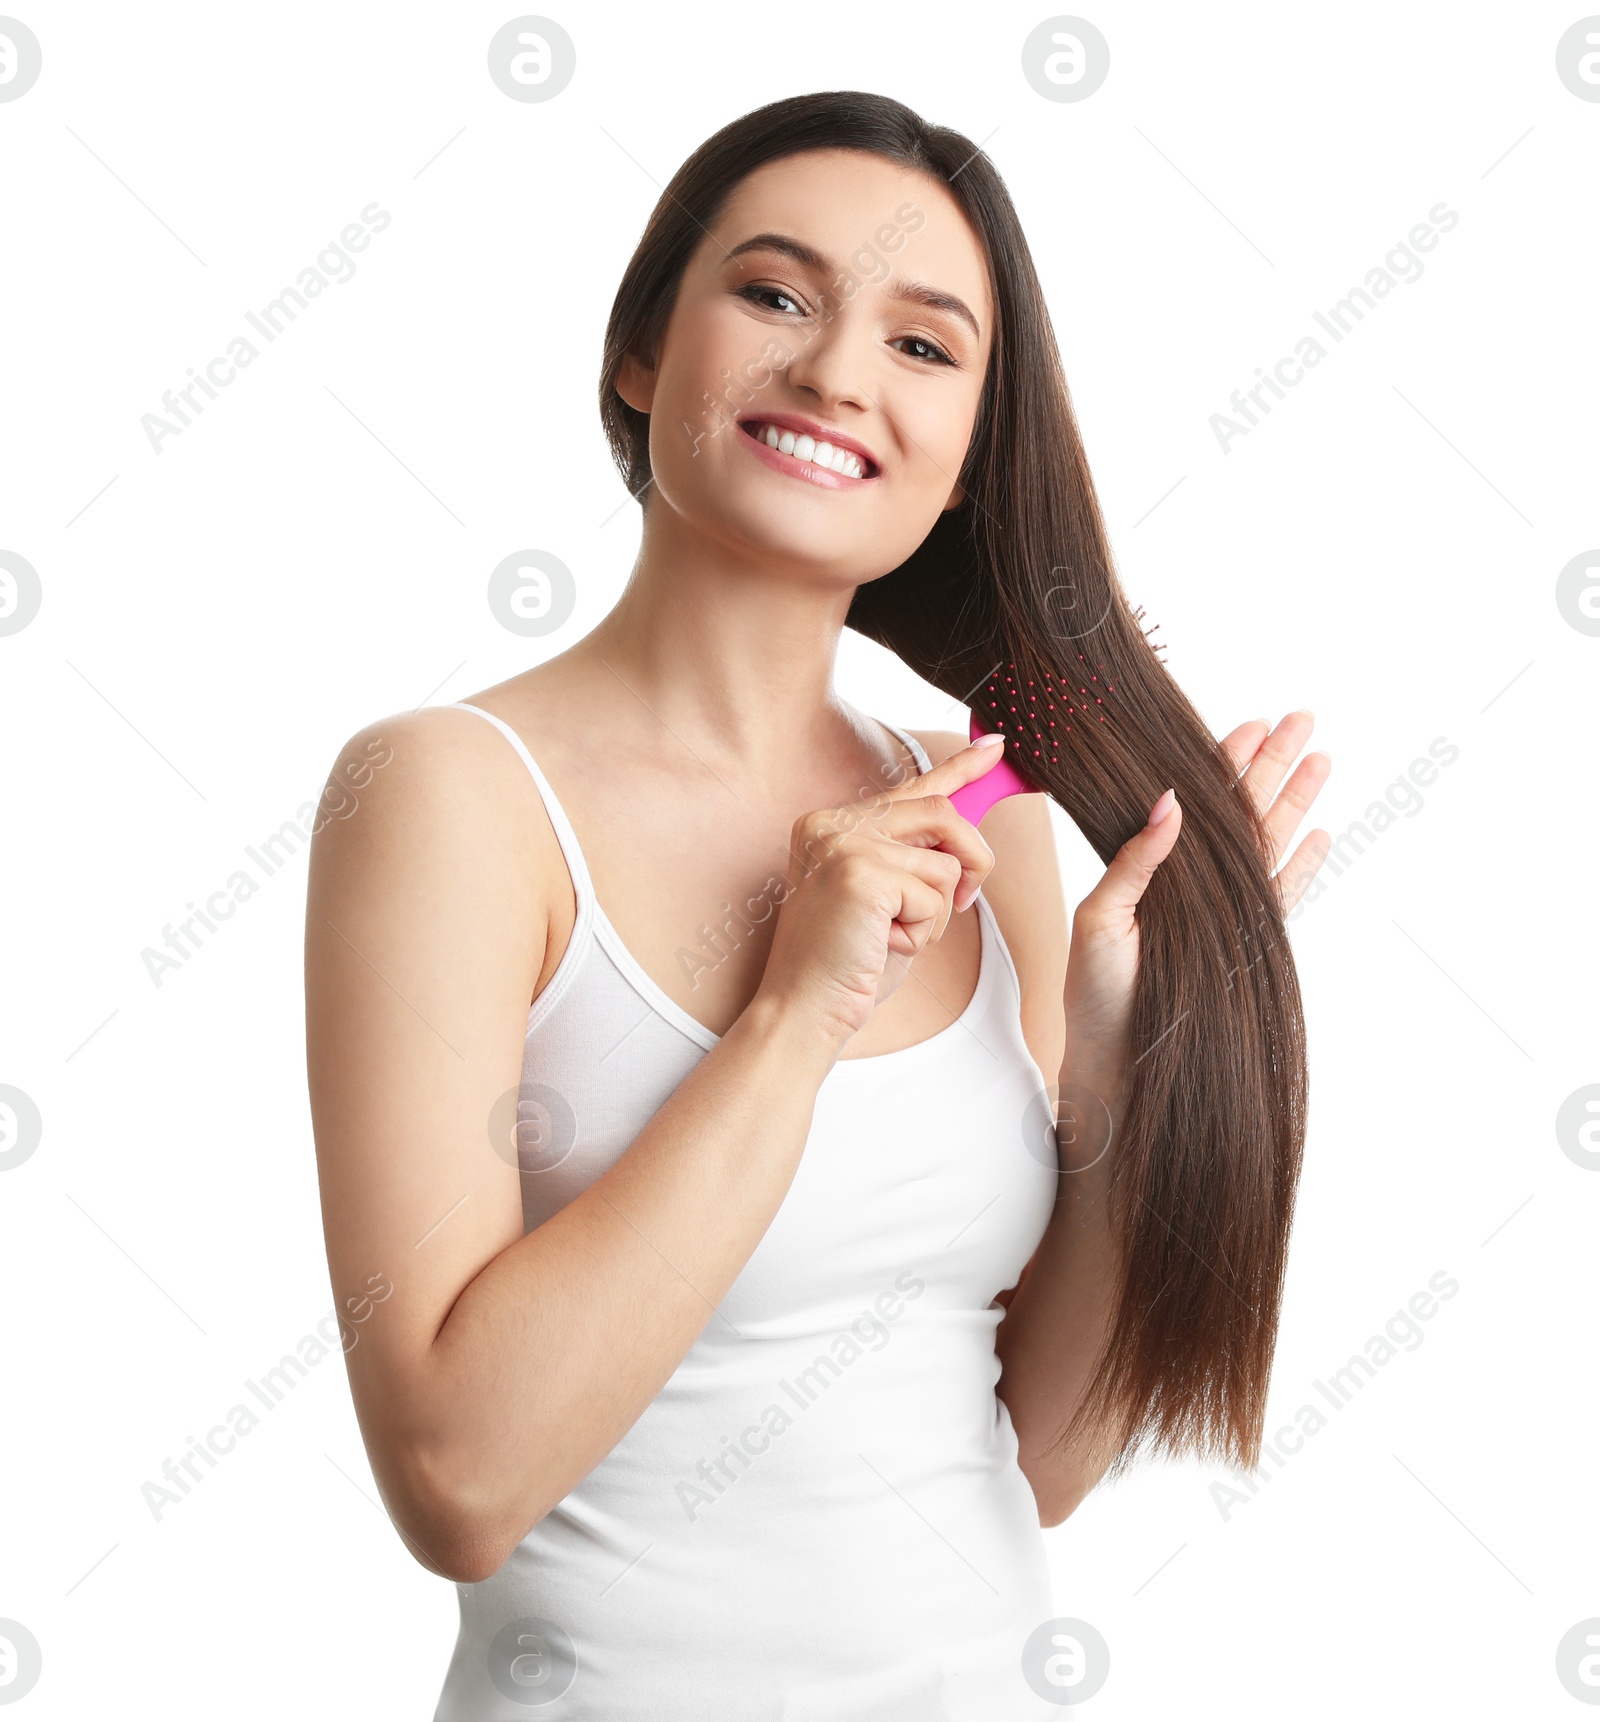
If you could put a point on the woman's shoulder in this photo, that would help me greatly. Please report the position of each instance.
(428, 755)
(436, 790)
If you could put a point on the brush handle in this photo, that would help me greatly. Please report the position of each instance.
(973, 800)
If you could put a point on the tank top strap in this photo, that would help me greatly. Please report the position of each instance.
(571, 849)
(918, 752)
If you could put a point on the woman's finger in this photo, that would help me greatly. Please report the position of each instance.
(1283, 818)
(1270, 766)
(1240, 746)
(949, 775)
(930, 822)
(1301, 868)
(1112, 902)
(932, 870)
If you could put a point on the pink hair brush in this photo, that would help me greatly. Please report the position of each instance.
(973, 800)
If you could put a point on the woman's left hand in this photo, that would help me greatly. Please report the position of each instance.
(1103, 958)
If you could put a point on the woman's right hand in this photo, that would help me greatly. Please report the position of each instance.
(869, 886)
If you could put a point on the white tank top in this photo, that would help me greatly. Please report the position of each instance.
(820, 1517)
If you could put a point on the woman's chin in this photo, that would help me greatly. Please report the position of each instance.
(788, 533)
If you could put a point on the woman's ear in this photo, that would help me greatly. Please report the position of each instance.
(636, 383)
(957, 497)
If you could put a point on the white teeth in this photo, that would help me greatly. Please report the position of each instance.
(818, 453)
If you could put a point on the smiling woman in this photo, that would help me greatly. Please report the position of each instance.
(635, 1392)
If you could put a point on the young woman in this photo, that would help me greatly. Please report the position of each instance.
(759, 1216)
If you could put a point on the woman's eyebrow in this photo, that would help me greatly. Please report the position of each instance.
(808, 257)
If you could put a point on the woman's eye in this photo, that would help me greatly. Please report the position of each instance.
(754, 291)
(939, 355)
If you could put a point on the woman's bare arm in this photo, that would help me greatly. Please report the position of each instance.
(502, 1367)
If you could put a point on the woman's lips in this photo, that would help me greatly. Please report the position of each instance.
(808, 470)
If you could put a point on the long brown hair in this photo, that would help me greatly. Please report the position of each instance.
(1017, 582)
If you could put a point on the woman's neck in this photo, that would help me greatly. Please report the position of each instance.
(737, 661)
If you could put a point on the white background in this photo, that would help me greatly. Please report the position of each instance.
(313, 554)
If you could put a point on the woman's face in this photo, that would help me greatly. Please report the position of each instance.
(836, 290)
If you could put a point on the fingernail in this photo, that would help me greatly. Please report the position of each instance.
(1169, 800)
(989, 741)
